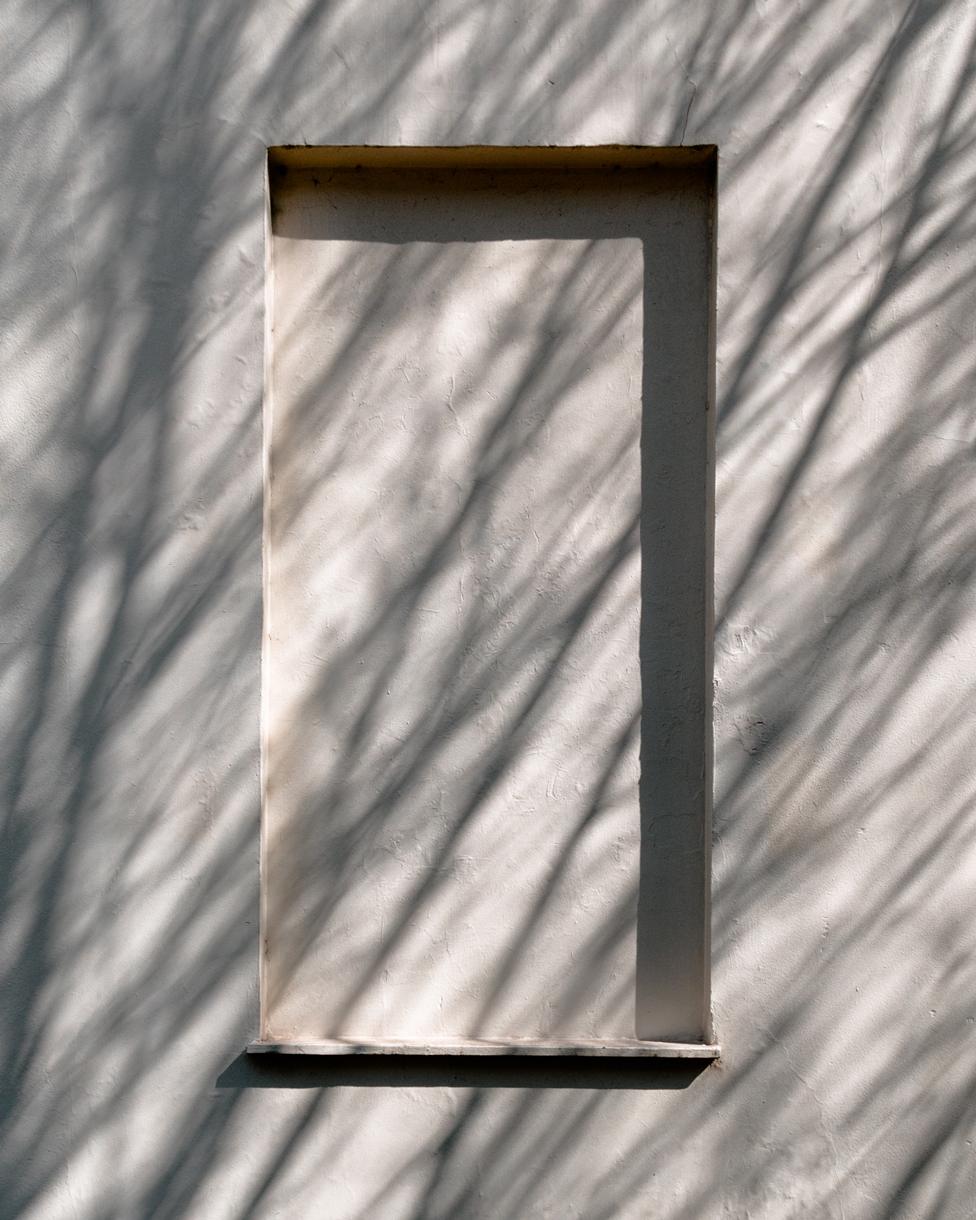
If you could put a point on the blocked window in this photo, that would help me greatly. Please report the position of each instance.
(487, 563)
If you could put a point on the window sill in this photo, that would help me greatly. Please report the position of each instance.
(624, 1048)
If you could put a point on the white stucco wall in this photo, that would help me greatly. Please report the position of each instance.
(131, 291)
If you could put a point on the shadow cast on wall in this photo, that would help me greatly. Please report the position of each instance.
(452, 1071)
(131, 605)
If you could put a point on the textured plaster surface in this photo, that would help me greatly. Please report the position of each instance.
(131, 294)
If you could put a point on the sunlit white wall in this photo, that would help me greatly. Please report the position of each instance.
(131, 294)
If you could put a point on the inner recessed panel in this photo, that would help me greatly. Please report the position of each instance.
(453, 676)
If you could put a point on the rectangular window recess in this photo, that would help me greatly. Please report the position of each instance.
(486, 672)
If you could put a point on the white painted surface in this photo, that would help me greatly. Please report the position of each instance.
(132, 334)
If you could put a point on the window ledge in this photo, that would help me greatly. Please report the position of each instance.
(623, 1048)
